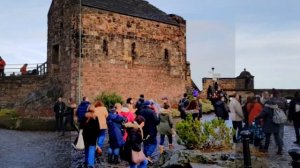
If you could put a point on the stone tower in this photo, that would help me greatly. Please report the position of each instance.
(129, 47)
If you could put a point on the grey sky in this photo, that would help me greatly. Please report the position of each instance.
(230, 35)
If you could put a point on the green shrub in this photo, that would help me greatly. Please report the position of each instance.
(8, 113)
(109, 99)
(207, 106)
(212, 134)
(175, 113)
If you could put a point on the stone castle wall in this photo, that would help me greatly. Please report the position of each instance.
(127, 55)
(63, 31)
(14, 89)
(120, 53)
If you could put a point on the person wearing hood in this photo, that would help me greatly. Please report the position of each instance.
(294, 115)
(150, 129)
(116, 141)
(129, 115)
(165, 127)
(134, 141)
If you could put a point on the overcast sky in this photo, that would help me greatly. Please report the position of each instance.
(262, 36)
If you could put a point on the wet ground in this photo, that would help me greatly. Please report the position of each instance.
(34, 149)
(49, 149)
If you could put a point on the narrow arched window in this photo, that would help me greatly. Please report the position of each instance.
(105, 47)
(166, 55)
(133, 52)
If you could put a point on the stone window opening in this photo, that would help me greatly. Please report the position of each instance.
(133, 52)
(105, 47)
(166, 55)
(55, 54)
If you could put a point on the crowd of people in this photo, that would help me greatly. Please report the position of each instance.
(256, 114)
(133, 126)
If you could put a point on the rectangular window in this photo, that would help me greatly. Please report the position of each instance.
(55, 54)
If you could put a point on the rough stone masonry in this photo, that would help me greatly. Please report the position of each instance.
(128, 47)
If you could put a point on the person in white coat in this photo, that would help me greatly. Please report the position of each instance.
(237, 116)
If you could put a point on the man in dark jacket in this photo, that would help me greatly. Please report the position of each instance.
(183, 103)
(269, 127)
(59, 109)
(294, 115)
(139, 104)
(150, 130)
(281, 102)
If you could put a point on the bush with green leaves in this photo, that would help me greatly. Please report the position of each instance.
(212, 134)
(109, 99)
(11, 113)
(207, 106)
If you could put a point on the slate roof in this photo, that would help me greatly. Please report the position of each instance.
(137, 8)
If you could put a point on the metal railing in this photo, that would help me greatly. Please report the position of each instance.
(32, 69)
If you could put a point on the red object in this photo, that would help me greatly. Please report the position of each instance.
(130, 118)
(254, 110)
(2, 64)
(23, 70)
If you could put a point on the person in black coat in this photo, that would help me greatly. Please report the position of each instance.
(59, 109)
(269, 127)
(150, 130)
(220, 109)
(134, 141)
(294, 115)
(90, 134)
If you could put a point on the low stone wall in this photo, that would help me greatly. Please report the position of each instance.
(15, 88)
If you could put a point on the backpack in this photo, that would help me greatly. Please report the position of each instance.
(279, 116)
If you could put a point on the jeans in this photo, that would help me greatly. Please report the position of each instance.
(143, 164)
(280, 134)
(277, 140)
(162, 139)
(237, 125)
(149, 148)
(90, 155)
(101, 138)
(114, 151)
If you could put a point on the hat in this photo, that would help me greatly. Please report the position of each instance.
(146, 103)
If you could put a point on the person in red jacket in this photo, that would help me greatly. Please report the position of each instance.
(2, 66)
(23, 70)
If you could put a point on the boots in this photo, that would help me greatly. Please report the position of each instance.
(161, 149)
(171, 147)
(116, 159)
(110, 158)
